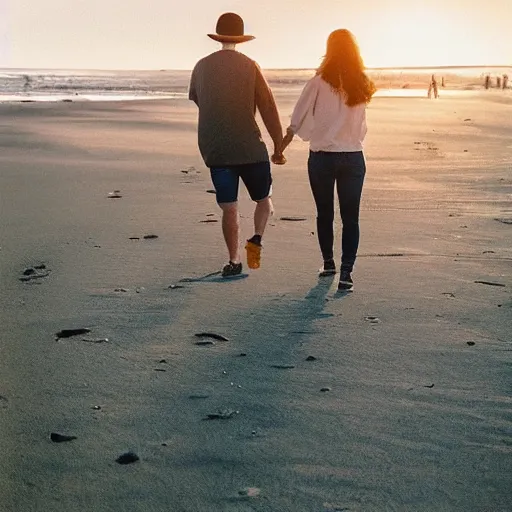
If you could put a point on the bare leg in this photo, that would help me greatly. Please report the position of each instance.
(231, 229)
(261, 215)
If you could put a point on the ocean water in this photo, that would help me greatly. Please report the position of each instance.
(23, 85)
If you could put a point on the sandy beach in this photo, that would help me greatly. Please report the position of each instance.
(415, 364)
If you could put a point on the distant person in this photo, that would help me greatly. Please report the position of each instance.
(432, 88)
(443, 83)
(505, 81)
(331, 114)
(498, 82)
(487, 82)
(228, 86)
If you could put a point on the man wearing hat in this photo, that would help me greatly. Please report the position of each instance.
(228, 87)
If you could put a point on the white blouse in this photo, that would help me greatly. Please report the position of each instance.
(322, 117)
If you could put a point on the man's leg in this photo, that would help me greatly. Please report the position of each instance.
(258, 180)
(262, 213)
(231, 229)
(225, 181)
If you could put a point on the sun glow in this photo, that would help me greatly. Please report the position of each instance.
(415, 37)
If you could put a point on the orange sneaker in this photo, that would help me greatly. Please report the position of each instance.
(253, 255)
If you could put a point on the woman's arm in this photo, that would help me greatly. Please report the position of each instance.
(304, 106)
(287, 139)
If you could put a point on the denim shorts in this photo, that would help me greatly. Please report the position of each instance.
(256, 177)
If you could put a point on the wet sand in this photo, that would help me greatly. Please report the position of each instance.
(415, 364)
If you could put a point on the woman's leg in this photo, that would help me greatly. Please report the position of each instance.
(321, 178)
(349, 182)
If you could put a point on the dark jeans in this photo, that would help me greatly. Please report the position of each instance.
(347, 170)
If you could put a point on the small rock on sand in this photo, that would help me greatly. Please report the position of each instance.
(212, 335)
(490, 283)
(127, 458)
(325, 390)
(311, 358)
(293, 219)
(67, 333)
(211, 191)
(283, 366)
(150, 237)
(61, 438)
(223, 414)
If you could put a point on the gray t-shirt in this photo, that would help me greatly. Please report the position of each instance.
(228, 86)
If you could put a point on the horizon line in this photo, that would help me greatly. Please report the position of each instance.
(368, 68)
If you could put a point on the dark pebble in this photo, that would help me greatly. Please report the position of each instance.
(243, 354)
(150, 237)
(283, 366)
(311, 358)
(42, 266)
(210, 191)
(127, 458)
(221, 415)
(163, 361)
(430, 386)
(134, 238)
(490, 283)
(160, 370)
(293, 219)
(29, 272)
(61, 438)
(471, 343)
(208, 221)
(324, 390)
(212, 335)
(67, 333)
(504, 221)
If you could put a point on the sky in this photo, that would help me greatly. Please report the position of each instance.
(171, 34)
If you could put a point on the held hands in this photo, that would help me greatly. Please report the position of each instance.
(278, 158)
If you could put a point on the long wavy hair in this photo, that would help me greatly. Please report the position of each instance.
(343, 69)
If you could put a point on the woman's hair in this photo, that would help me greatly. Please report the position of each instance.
(343, 69)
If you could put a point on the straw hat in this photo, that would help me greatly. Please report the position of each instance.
(230, 29)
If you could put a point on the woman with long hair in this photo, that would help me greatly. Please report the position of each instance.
(331, 115)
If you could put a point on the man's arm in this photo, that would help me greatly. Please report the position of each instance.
(267, 107)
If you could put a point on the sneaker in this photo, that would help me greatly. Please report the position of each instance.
(328, 269)
(253, 255)
(346, 284)
(232, 269)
